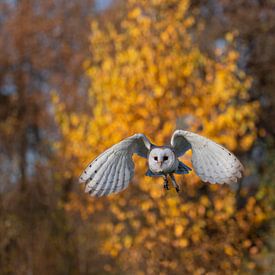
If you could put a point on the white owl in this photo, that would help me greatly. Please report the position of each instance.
(112, 171)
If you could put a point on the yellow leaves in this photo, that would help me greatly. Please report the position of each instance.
(134, 32)
(158, 91)
(75, 205)
(164, 37)
(182, 243)
(145, 76)
(247, 142)
(74, 120)
(132, 55)
(260, 215)
(204, 200)
(151, 218)
(155, 191)
(172, 202)
(120, 215)
(136, 224)
(107, 65)
(179, 230)
(189, 22)
(133, 14)
(219, 204)
(256, 214)
(127, 241)
(146, 205)
(112, 248)
(229, 37)
(250, 204)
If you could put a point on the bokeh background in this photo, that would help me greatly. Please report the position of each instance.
(78, 76)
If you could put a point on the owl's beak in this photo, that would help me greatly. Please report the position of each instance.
(160, 163)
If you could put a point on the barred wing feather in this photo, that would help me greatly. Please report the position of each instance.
(211, 161)
(112, 171)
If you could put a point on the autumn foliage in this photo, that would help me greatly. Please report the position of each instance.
(148, 75)
(147, 72)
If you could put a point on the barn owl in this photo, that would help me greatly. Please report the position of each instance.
(112, 171)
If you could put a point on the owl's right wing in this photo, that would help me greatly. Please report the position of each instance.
(112, 171)
(211, 161)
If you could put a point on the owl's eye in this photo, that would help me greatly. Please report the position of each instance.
(165, 158)
(156, 158)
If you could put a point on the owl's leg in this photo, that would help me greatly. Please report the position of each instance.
(165, 184)
(174, 183)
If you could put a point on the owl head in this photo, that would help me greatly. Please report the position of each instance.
(162, 159)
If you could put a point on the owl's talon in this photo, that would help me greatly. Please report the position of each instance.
(175, 183)
(166, 186)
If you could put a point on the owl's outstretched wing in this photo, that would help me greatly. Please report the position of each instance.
(111, 171)
(211, 162)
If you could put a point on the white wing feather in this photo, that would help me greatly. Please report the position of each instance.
(112, 171)
(211, 162)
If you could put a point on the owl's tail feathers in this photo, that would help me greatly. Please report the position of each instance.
(183, 169)
(149, 173)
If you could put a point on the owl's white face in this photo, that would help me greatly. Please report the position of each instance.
(162, 160)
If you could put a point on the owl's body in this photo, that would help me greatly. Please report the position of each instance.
(112, 171)
(163, 162)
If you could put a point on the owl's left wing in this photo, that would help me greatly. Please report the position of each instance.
(211, 161)
(112, 171)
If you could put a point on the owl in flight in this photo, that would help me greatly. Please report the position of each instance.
(112, 171)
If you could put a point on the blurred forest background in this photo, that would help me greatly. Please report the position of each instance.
(78, 76)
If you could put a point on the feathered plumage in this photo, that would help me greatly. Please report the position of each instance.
(112, 171)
